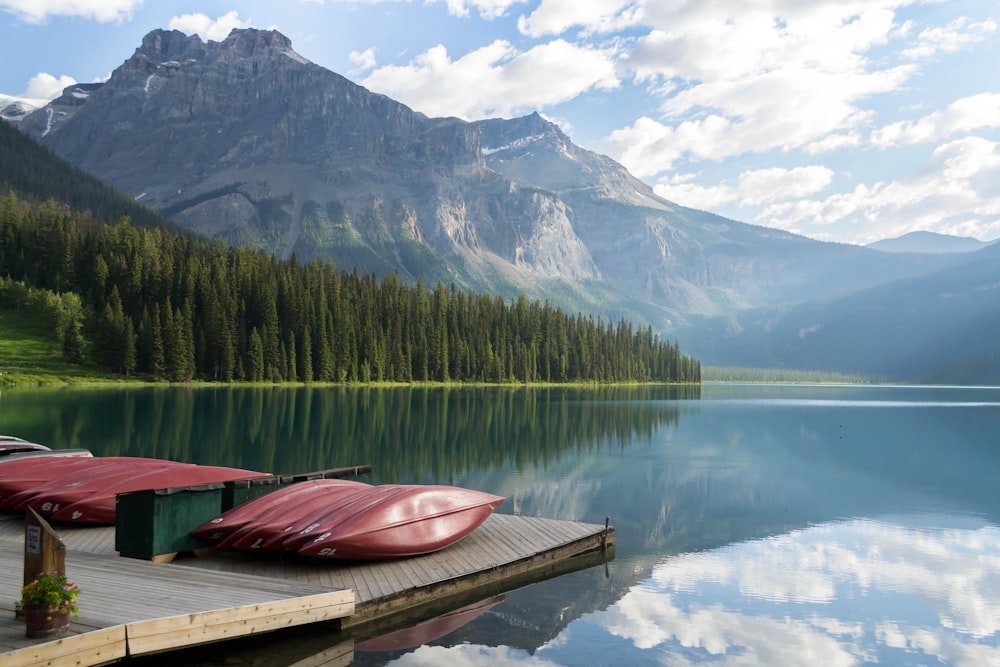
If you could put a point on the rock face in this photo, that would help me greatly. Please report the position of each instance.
(246, 140)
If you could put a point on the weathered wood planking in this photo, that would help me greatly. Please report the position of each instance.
(157, 607)
(503, 546)
(94, 647)
(505, 551)
(189, 629)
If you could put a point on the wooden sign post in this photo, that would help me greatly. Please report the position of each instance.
(44, 551)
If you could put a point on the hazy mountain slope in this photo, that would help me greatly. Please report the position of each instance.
(941, 327)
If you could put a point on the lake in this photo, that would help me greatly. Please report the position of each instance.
(773, 525)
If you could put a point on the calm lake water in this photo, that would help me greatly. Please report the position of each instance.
(773, 525)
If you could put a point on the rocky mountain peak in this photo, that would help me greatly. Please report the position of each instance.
(169, 45)
(250, 40)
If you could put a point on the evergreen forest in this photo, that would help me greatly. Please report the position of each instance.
(151, 302)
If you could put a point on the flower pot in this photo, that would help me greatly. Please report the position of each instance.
(44, 620)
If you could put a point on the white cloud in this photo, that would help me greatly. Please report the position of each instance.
(44, 86)
(775, 76)
(104, 11)
(495, 80)
(206, 27)
(753, 188)
(487, 9)
(964, 115)
(956, 192)
(682, 189)
(554, 17)
(950, 38)
(363, 60)
(764, 185)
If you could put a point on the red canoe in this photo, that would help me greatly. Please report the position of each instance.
(232, 520)
(419, 520)
(51, 496)
(32, 470)
(325, 517)
(99, 506)
(255, 534)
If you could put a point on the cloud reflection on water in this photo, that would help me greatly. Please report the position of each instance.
(839, 593)
(843, 593)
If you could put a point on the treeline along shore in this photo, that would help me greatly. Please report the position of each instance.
(158, 304)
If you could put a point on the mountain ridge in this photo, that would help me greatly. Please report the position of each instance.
(928, 242)
(247, 141)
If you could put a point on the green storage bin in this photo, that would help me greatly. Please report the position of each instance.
(156, 524)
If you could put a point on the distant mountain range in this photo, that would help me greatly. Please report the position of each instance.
(928, 242)
(247, 141)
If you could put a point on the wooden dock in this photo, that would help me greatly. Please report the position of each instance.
(131, 607)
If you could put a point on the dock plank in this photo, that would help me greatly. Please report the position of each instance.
(227, 594)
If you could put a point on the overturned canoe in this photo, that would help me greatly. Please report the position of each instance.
(278, 501)
(78, 481)
(84, 489)
(354, 521)
(419, 520)
(100, 506)
(257, 534)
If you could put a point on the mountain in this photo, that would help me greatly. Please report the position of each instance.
(247, 141)
(928, 242)
(37, 174)
(937, 328)
(15, 108)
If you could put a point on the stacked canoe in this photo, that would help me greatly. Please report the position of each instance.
(350, 520)
(82, 488)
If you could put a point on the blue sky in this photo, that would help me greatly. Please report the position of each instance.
(844, 120)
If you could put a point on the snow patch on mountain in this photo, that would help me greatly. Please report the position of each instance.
(520, 143)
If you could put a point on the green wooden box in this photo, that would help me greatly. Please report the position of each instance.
(156, 524)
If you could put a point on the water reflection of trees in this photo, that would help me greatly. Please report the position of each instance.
(422, 433)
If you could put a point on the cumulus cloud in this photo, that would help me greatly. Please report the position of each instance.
(363, 60)
(554, 17)
(103, 11)
(956, 192)
(497, 79)
(206, 27)
(949, 38)
(964, 115)
(44, 86)
(764, 185)
(752, 188)
(683, 189)
(775, 77)
(487, 9)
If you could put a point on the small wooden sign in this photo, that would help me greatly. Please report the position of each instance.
(44, 551)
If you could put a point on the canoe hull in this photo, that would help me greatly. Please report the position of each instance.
(236, 518)
(419, 520)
